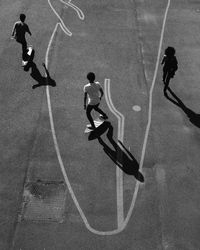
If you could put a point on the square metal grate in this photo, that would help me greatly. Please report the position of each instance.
(44, 201)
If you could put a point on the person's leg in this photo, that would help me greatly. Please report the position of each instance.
(96, 108)
(165, 71)
(88, 113)
(24, 50)
(167, 80)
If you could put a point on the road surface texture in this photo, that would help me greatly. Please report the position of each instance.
(58, 189)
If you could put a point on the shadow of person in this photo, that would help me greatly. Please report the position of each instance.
(42, 80)
(193, 117)
(121, 156)
(99, 131)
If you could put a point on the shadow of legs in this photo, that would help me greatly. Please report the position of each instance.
(42, 80)
(193, 117)
(121, 156)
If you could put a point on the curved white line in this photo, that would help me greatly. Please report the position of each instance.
(149, 113)
(119, 172)
(79, 11)
(65, 29)
(122, 225)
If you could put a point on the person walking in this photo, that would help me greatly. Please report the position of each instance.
(18, 33)
(93, 92)
(170, 65)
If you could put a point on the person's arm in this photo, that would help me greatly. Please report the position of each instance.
(13, 31)
(28, 31)
(85, 99)
(101, 91)
(176, 64)
(163, 60)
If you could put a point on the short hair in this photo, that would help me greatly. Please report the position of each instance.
(91, 76)
(22, 17)
(170, 51)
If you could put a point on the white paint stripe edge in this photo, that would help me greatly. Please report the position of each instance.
(116, 112)
(149, 113)
(79, 12)
(59, 155)
(119, 172)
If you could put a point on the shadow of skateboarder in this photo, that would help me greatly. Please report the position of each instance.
(121, 156)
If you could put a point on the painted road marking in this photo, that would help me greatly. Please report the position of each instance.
(149, 112)
(121, 222)
(119, 172)
(136, 108)
(78, 11)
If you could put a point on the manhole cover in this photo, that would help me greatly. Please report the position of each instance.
(44, 201)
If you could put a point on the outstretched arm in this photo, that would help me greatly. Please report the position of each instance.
(13, 31)
(28, 30)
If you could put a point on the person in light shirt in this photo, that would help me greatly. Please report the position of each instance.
(93, 92)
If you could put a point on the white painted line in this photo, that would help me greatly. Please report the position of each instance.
(119, 172)
(57, 146)
(78, 11)
(149, 112)
(121, 222)
(65, 29)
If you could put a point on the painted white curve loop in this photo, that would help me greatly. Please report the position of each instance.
(79, 11)
(122, 224)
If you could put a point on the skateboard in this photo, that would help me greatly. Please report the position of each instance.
(30, 50)
(97, 123)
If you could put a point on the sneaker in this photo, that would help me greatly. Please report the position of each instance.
(24, 63)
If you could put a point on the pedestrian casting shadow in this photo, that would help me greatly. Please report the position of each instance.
(193, 117)
(121, 156)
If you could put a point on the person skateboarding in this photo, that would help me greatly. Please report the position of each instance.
(170, 65)
(93, 92)
(19, 31)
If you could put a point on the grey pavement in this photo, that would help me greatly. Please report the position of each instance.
(117, 40)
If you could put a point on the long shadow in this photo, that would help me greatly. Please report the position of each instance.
(193, 117)
(36, 75)
(121, 156)
(42, 80)
(99, 131)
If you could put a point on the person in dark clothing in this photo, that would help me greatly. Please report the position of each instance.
(170, 65)
(19, 31)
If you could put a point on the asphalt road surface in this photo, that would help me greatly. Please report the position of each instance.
(58, 189)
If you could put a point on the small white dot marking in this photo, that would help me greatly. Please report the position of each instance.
(136, 108)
